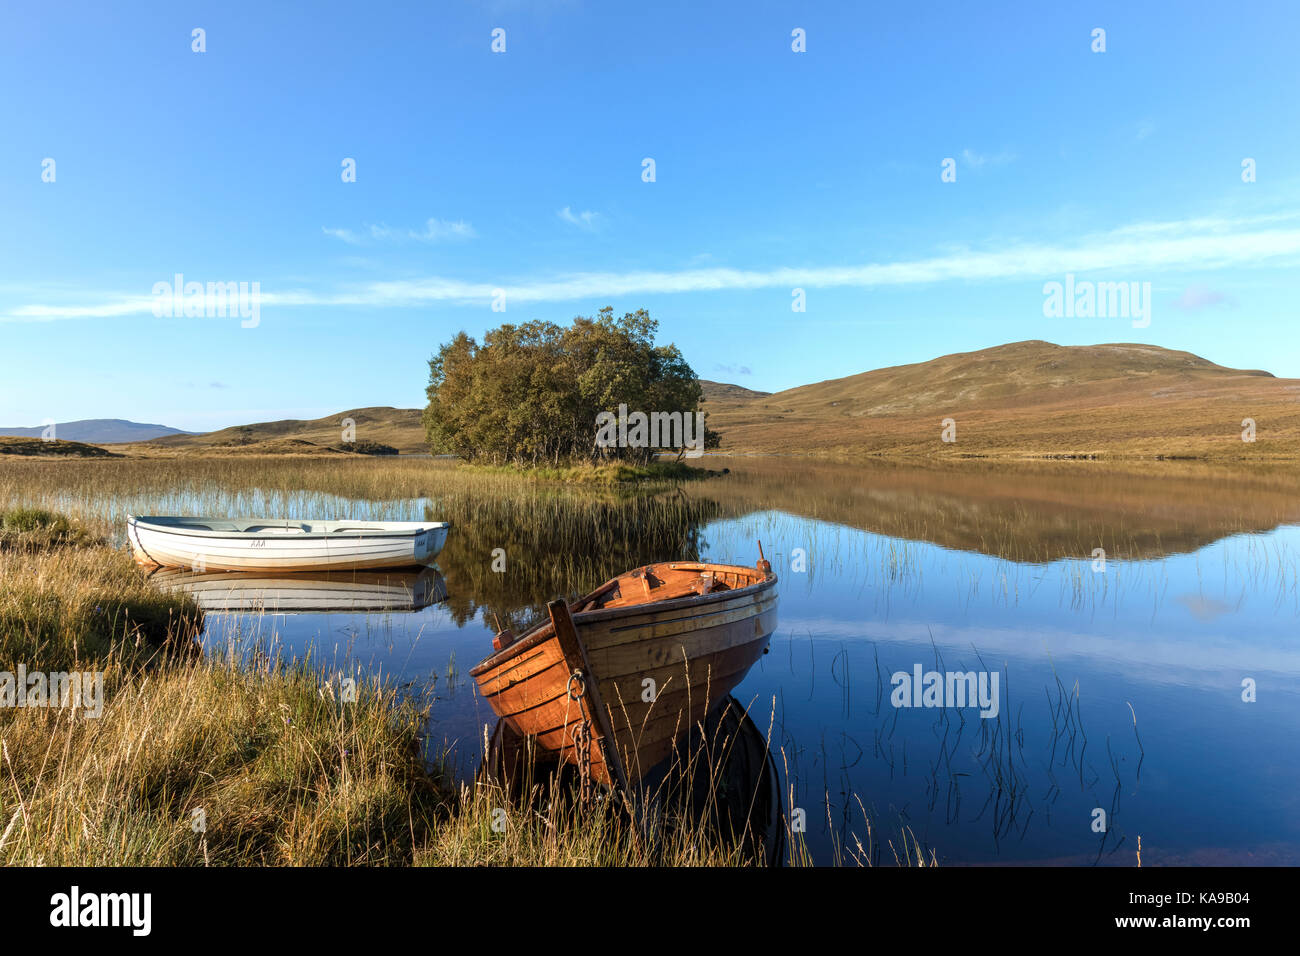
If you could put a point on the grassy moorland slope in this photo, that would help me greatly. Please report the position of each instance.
(1026, 399)
(398, 427)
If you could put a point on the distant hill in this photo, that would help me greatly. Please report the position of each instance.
(1026, 399)
(399, 427)
(1006, 373)
(100, 431)
(721, 391)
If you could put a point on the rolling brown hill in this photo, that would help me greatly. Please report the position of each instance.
(398, 427)
(722, 392)
(1026, 399)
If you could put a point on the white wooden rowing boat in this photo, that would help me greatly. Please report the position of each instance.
(266, 544)
(307, 592)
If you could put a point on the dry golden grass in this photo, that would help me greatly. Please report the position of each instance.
(204, 762)
(74, 603)
(551, 829)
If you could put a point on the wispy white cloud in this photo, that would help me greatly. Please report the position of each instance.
(1203, 608)
(345, 235)
(116, 307)
(583, 220)
(433, 230)
(436, 230)
(1133, 251)
(732, 369)
(1196, 297)
(976, 160)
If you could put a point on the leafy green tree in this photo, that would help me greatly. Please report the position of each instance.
(531, 393)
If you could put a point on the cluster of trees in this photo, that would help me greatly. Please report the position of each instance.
(368, 448)
(532, 393)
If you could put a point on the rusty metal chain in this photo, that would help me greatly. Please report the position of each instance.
(581, 735)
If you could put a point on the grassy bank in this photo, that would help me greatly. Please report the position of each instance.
(28, 530)
(607, 475)
(68, 601)
(202, 759)
(203, 762)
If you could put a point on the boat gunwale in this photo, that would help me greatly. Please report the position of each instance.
(150, 523)
(544, 631)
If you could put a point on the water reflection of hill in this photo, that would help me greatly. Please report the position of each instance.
(1036, 511)
(571, 541)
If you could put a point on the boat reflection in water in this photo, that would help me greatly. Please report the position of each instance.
(719, 779)
(311, 592)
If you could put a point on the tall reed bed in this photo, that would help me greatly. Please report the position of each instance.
(1035, 512)
(66, 604)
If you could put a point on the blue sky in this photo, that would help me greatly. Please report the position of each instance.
(522, 171)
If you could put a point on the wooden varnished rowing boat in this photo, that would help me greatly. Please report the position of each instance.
(612, 680)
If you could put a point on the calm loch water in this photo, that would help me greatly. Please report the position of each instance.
(1149, 688)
